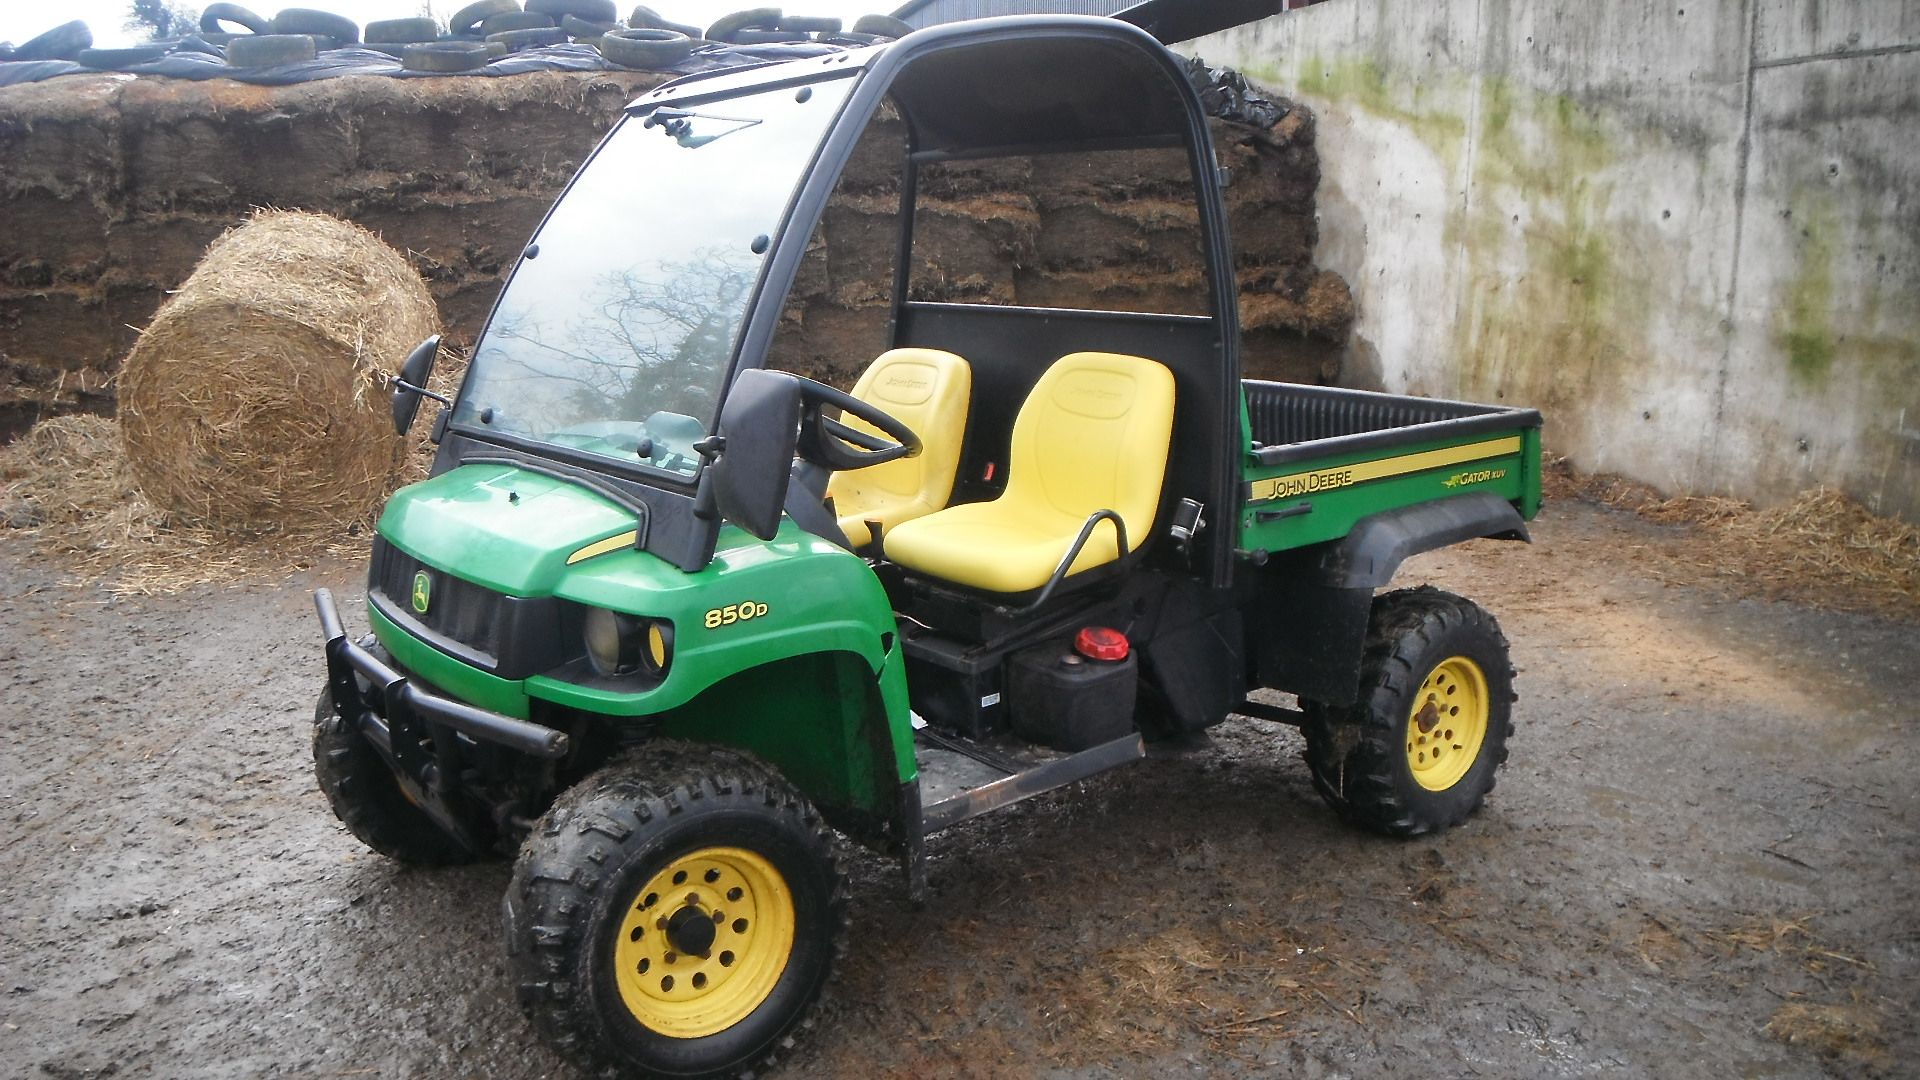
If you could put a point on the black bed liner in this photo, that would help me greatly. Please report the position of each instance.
(1295, 422)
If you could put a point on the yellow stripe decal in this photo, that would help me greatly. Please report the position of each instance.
(1307, 483)
(601, 547)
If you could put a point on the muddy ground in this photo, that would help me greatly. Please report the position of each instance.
(1700, 862)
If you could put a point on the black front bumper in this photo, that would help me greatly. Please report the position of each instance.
(394, 714)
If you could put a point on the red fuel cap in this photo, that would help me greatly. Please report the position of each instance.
(1101, 643)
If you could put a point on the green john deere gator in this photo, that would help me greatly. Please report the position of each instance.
(662, 617)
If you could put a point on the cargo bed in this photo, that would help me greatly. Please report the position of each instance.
(1321, 458)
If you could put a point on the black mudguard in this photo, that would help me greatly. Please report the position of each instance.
(1309, 616)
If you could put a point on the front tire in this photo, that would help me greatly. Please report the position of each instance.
(1419, 751)
(677, 913)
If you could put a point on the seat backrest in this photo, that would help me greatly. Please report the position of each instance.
(928, 390)
(1093, 435)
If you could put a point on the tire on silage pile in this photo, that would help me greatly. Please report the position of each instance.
(257, 398)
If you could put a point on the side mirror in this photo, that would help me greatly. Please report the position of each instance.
(758, 428)
(411, 384)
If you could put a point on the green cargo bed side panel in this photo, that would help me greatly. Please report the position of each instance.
(1313, 502)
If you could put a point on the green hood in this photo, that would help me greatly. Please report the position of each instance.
(505, 528)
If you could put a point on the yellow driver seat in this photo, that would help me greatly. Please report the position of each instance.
(1093, 435)
(928, 390)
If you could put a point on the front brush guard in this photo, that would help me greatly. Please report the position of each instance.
(399, 718)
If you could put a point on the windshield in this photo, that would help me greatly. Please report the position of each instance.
(614, 333)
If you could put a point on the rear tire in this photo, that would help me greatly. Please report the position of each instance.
(270, 50)
(466, 22)
(446, 57)
(645, 49)
(520, 40)
(677, 913)
(114, 59)
(726, 26)
(1419, 751)
(316, 24)
(515, 20)
(882, 26)
(598, 11)
(401, 31)
(63, 42)
(213, 15)
(645, 18)
(368, 800)
(808, 24)
(580, 30)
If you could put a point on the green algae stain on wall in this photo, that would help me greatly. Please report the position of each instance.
(1496, 106)
(1555, 312)
(1362, 83)
(1803, 327)
(1551, 318)
(1550, 310)
(1578, 259)
(1541, 142)
(1847, 334)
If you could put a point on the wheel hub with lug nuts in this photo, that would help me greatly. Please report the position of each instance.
(1447, 723)
(690, 930)
(704, 941)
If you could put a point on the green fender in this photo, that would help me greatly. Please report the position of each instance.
(786, 648)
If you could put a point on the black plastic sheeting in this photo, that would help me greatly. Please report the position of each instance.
(1225, 93)
(197, 59)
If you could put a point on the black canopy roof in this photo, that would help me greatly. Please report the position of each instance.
(1013, 84)
(1070, 90)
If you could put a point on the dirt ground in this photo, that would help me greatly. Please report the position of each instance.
(1701, 861)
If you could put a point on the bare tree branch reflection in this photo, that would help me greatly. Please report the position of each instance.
(639, 343)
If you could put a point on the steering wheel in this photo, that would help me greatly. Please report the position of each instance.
(831, 444)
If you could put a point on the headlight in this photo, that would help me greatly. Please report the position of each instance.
(623, 644)
(659, 645)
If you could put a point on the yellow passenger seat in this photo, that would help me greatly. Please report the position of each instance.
(928, 390)
(1093, 435)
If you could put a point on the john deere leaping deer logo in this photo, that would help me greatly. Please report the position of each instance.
(422, 591)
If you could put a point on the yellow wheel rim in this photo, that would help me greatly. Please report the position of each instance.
(1447, 723)
(703, 942)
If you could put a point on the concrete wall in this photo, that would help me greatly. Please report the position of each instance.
(1687, 230)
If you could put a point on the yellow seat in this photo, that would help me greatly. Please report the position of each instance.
(927, 390)
(1093, 435)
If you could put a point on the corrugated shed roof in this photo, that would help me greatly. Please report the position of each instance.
(933, 12)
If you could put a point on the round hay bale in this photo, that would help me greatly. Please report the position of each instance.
(257, 399)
